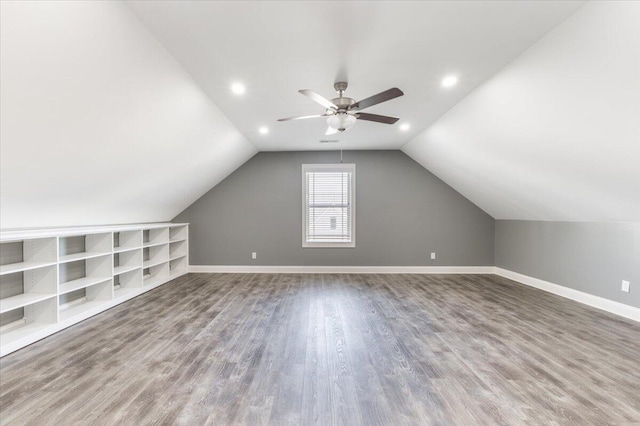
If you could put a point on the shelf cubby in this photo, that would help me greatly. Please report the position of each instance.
(155, 255)
(84, 273)
(155, 236)
(126, 240)
(79, 283)
(127, 261)
(24, 255)
(81, 301)
(178, 266)
(155, 273)
(178, 249)
(127, 282)
(24, 288)
(178, 233)
(29, 320)
(78, 247)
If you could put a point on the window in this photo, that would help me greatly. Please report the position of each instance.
(328, 210)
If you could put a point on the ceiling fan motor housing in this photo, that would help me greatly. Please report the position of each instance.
(343, 103)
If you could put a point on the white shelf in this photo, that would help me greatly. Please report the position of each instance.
(79, 309)
(21, 300)
(20, 234)
(23, 331)
(81, 256)
(151, 263)
(123, 291)
(147, 245)
(177, 273)
(23, 266)
(178, 240)
(150, 280)
(123, 269)
(125, 249)
(177, 256)
(70, 286)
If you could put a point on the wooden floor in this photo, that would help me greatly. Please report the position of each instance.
(332, 349)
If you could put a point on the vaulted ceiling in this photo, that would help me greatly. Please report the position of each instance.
(277, 48)
(118, 113)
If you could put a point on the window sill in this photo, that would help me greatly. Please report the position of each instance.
(329, 245)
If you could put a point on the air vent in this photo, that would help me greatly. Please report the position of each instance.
(328, 141)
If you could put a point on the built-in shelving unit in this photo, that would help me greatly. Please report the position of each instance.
(53, 278)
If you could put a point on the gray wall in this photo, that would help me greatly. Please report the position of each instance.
(590, 257)
(403, 212)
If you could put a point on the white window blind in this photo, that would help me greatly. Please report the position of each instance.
(328, 205)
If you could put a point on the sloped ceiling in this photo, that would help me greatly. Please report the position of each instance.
(99, 123)
(277, 48)
(556, 134)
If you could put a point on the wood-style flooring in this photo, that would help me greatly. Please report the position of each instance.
(332, 349)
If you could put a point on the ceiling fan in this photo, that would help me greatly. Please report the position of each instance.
(342, 112)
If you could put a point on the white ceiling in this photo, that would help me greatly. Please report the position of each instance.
(276, 48)
(107, 119)
(556, 134)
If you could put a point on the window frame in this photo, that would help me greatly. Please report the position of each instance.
(327, 168)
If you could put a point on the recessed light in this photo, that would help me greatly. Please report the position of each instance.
(405, 126)
(263, 130)
(449, 81)
(238, 88)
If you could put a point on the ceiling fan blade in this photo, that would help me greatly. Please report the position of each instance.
(331, 131)
(387, 95)
(317, 98)
(377, 118)
(302, 117)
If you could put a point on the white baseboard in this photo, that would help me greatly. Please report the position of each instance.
(341, 269)
(617, 308)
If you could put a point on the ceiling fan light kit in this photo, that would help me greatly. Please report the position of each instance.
(343, 112)
(341, 121)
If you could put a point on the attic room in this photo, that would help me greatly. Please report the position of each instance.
(292, 212)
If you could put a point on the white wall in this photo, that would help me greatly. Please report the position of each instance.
(556, 134)
(99, 123)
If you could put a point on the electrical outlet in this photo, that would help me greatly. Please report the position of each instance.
(625, 286)
(254, 255)
(433, 256)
